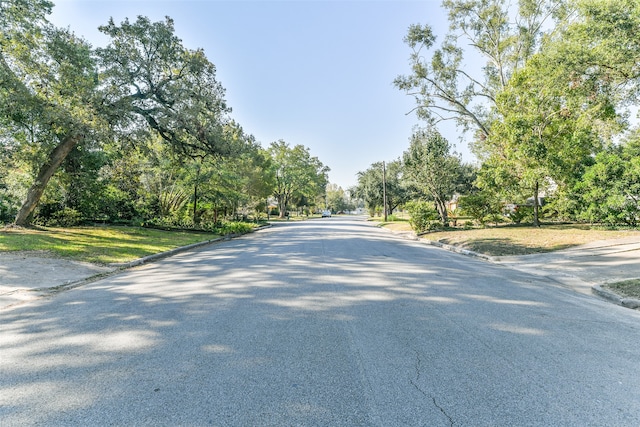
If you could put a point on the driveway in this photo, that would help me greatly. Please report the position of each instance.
(323, 323)
(583, 267)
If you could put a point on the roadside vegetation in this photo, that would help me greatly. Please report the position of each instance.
(520, 240)
(508, 240)
(627, 288)
(100, 245)
(548, 118)
(144, 137)
(547, 114)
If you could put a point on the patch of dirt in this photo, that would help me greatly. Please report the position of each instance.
(38, 269)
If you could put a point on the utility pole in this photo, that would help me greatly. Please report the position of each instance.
(384, 190)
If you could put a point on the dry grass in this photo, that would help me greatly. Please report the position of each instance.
(627, 289)
(397, 226)
(518, 240)
(523, 240)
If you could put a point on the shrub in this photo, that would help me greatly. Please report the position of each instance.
(424, 217)
(482, 207)
(235, 228)
(116, 205)
(222, 228)
(66, 217)
(521, 213)
(8, 208)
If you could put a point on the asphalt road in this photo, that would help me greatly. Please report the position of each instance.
(328, 322)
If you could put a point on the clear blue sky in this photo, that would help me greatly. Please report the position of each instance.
(316, 73)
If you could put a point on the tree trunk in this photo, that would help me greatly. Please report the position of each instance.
(196, 220)
(536, 190)
(54, 160)
(441, 206)
(282, 205)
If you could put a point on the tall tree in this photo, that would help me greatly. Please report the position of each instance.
(297, 174)
(602, 44)
(47, 89)
(441, 82)
(432, 168)
(337, 199)
(371, 182)
(144, 79)
(560, 108)
(151, 79)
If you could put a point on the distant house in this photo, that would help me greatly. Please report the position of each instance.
(452, 204)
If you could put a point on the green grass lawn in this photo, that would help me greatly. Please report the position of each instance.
(100, 244)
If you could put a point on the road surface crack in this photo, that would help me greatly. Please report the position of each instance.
(414, 383)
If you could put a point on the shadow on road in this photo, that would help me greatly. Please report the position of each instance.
(273, 329)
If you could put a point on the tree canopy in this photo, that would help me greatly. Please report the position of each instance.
(432, 168)
(138, 128)
(552, 89)
(297, 174)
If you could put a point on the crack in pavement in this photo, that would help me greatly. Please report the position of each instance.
(425, 394)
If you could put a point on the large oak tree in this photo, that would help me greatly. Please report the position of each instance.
(48, 84)
(60, 93)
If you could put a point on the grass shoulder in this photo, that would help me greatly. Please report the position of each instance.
(98, 244)
(524, 240)
(626, 289)
(519, 240)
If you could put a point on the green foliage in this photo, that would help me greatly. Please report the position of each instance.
(550, 91)
(115, 205)
(298, 175)
(430, 167)
(337, 200)
(235, 228)
(370, 186)
(521, 213)
(48, 93)
(65, 217)
(503, 35)
(221, 228)
(423, 216)
(483, 206)
(610, 189)
(150, 76)
(561, 107)
(7, 210)
(132, 131)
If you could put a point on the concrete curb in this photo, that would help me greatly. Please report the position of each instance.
(615, 298)
(117, 267)
(155, 257)
(410, 235)
(452, 248)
